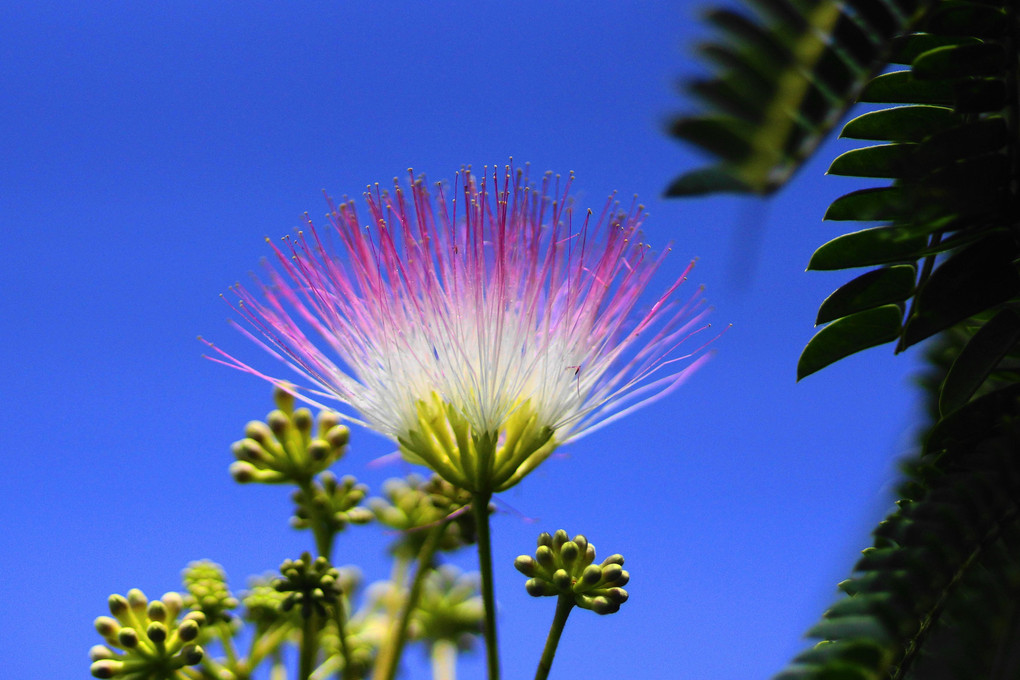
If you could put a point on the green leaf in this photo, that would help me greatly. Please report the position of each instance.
(850, 627)
(960, 61)
(882, 203)
(972, 280)
(980, 95)
(961, 17)
(975, 420)
(906, 48)
(951, 144)
(978, 359)
(849, 335)
(708, 180)
(900, 87)
(884, 160)
(879, 287)
(724, 136)
(880, 245)
(901, 124)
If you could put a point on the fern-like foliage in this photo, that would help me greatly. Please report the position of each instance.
(938, 594)
(787, 72)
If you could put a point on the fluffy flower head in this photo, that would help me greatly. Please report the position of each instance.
(479, 326)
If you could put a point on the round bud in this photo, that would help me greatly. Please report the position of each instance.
(319, 450)
(592, 575)
(360, 515)
(106, 626)
(617, 595)
(251, 451)
(137, 600)
(156, 611)
(258, 431)
(624, 578)
(582, 543)
(525, 565)
(544, 555)
(106, 668)
(569, 553)
(188, 630)
(174, 603)
(328, 420)
(545, 539)
(302, 420)
(612, 573)
(601, 605)
(192, 654)
(338, 436)
(538, 588)
(559, 538)
(118, 605)
(242, 472)
(196, 616)
(127, 637)
(100, 652)
(613, 559)
(278, 422)
(561, 579)
(283, 399)
(156, 632)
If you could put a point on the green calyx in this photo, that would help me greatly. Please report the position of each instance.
(146, 640)
(567, 567)
(481, 462)
(289, 446)
(413, 505)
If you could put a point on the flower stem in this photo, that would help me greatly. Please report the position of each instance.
(480, 507)
(444, 660)
(309, 647)
(393, 646)
(564, 603)
(341, 629)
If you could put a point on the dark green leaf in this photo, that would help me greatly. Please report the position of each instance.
(978, 359)
(883, 203)
(881, 245)
(849, 335)
(885, 160)
(876, 288)
(764, 45)
(908, 47)
(901, 124)
(959, 61)
(976, 420)
(723, 136)
(901, 88)
(979, 95)
(850, 627)
(959, 17)
(713, 179)
(971, 281)
(962, 141)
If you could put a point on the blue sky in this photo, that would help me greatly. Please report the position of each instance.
(147, 150)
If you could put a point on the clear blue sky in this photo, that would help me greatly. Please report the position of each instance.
(146, 149)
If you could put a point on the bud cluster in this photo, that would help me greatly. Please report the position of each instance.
(314, 585)
(332, 502)
(284, 448)
(206, 583)
(412, 505)
(151, 643)
(449, 608)
(566, 567)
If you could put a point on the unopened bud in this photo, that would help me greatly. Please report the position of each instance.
(127, 637)
(100, 652)
(192, 654)
(188, 630)
(525, 565)
(106, 668)
(118, 605)
(106, 626)
(156, 611)
(156, 632)
(338, 436)
(592, 574)
(302, 420)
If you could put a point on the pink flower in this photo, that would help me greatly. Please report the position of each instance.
(480, 328)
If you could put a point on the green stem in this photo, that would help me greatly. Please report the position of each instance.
(444, 660)
(309, 647)
(341, 630)
(393, 646)
(564, 603)
(480, 507)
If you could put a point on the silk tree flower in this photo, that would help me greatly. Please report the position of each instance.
(478, 328)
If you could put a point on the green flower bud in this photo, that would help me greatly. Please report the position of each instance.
(188, 630)
(302, 420)
(156, 632)
(100, 652)
(242, 472)
(525, 565)
(337, 435)
(567, 568)
(106, 668)
(278, 422)
(137, 601)
(127, 637)
(283, 399)
(156, 611)
(106, 626)
(259, 432)
(319, 450)
(192, 654)
(118, 605)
